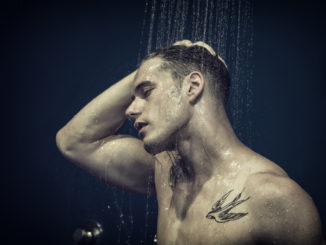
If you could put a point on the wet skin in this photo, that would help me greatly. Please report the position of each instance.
(199, 166)
(162, 115)
(157, 107)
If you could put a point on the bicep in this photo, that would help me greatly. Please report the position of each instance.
(120, 161)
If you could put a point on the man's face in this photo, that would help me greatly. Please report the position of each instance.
(159, 107)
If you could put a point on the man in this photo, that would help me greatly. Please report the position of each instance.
(211, 189)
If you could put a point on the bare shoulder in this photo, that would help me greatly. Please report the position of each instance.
(281, 211)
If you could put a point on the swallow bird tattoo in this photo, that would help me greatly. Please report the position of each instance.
(222, 214)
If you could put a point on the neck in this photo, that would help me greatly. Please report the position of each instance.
(206, 146)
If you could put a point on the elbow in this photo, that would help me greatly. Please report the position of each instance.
(70, 145)
(64, 143)
(59, 140)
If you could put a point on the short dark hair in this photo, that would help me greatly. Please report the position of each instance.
(182, 60)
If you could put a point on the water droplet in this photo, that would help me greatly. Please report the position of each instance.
(155, 238)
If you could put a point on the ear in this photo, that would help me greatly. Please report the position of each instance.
(195, 87)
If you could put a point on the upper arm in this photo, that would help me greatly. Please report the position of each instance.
(117, 160)
(283, 213)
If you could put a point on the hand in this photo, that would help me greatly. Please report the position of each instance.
(188, 43)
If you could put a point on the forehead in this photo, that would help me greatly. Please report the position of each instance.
(151, 70)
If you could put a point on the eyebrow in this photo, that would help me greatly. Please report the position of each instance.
(141, 85)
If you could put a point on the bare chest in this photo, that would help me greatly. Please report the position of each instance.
(219, 218)
(217, 213)
(196, 228)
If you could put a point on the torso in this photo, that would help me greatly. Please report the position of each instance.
(182, 215)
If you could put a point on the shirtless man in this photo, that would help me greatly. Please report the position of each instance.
(211, 189)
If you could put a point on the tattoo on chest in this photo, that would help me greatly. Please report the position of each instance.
(222, 214)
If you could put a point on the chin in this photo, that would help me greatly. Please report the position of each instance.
(153, 148)
(157, 146)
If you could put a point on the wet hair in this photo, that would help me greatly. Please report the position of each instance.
(181, 61)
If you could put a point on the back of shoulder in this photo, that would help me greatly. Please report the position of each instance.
(281, 210)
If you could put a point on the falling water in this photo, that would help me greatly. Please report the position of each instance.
(227, 26)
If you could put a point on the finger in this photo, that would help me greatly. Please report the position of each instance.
(220, 58)
(205, 45)
(186, 43)
(183, 42)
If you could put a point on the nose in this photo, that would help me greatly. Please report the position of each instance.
(134, 109)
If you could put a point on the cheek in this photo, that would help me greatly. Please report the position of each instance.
(173, 104)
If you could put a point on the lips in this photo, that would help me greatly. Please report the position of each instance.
(139, 126)
(141, 132)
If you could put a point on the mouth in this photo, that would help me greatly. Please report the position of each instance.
(140, 127)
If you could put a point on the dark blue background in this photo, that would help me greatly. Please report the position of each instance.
(58, 56)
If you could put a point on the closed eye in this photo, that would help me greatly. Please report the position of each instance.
(144, 89)
(147, 92)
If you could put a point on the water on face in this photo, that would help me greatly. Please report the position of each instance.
(227, 26)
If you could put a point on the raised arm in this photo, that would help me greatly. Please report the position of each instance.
(89, 140)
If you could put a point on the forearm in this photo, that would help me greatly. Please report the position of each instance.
(100, 118)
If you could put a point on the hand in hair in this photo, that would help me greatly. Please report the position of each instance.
(188, 43)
